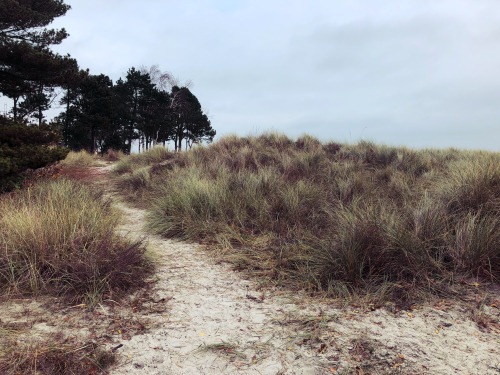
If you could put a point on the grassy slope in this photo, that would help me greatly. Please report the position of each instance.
(330, 217)
(58, 237)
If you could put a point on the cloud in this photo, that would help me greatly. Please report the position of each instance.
(415, 72)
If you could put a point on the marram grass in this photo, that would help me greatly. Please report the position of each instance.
(60, 237)
(332, 217)
(80, 159)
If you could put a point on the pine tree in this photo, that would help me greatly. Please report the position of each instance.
(190, 121)
(28, 69)
(25, 147)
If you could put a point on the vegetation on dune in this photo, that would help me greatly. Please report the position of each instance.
(80, 159)
(25, 147)
(330, 217)
(60, 237)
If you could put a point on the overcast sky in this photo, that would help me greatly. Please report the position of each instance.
(420, 73)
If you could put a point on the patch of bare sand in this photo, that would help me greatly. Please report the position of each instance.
(199, 317)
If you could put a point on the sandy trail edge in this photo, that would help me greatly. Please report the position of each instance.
(288, 334)
(213, 325)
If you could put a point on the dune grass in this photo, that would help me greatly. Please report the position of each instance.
(113, 155)
(80, 159)
(331, 217)
(130, 163)
(59, 237)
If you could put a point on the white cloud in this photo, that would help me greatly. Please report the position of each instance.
(414, 72)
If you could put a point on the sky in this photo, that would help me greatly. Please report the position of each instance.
(417, 73)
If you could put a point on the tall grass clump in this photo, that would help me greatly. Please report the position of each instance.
(60, 237)
(113, 155)
(80, 159)
(334, 217)
(134, 184)
(131, 162)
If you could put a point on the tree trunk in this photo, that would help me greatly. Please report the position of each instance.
(92, 140)
(39, 116)
(14, 108)
(66, 120)
(40, 110)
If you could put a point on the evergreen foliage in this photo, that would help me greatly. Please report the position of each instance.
(25, 147)
(190, 122)
(99, 115)
(28, 69)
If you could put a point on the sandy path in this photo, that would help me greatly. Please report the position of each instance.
(219, 323)
(210, 305)
(200, 317)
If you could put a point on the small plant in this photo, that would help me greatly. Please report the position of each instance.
(223, 347)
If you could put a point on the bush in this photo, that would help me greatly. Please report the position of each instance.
(25, 147)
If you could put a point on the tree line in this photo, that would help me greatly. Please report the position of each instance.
(98, 114)
(101, 115)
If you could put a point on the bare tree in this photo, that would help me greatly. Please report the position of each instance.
(164, 81)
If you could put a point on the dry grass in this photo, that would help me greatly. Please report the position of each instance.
(59, 237)
(80, 159)
(387, 222)
(113, 155)
(54, 355)
(130, 163)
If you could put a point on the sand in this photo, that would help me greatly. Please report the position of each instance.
(200, 317)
